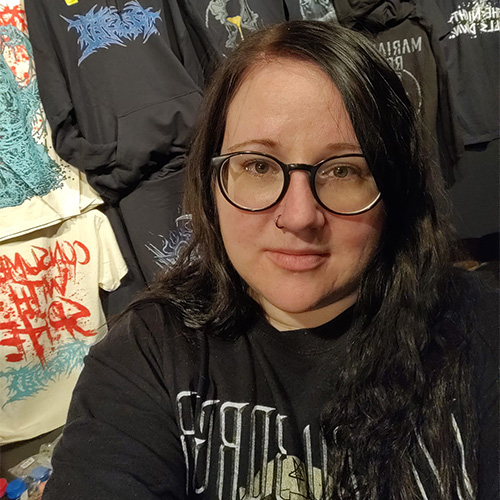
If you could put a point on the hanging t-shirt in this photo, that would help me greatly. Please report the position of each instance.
(37, 187)
(321, 10)
(407, 48)
(120, 83)
(227, 22)
(472, 53)
(50, 314)
(411, 47)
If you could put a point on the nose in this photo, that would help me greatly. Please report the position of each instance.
(299, 209)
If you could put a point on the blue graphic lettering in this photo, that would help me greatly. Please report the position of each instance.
(26, 170)
(29, 380)
(171, 247)
(107, 26)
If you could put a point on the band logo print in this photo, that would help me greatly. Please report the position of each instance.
(241, 452)
(475, 18)
(109, 26)
(43, 326)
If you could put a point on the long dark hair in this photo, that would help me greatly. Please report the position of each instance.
(400, 421)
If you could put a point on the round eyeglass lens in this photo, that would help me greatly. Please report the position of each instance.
(346, 185)
(251, 181)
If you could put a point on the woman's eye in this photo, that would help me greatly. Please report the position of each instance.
(258, 167)
(339, 172)
(342, 171)
(261, 167)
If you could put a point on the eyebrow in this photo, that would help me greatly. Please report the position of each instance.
(342, 147)
(269, 143)
(334, 147)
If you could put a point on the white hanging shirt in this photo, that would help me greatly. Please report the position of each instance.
(38, 188)
(50, 314)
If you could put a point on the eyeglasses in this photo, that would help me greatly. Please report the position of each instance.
(252, 181)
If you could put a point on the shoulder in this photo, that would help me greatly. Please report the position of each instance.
(467, 318)
(485, 331)
(471, 317)
(487, 308)
(151, 329)
(469, 295)
(475, 302)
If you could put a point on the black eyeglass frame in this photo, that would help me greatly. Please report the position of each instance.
(218, 161)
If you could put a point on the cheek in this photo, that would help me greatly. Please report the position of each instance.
(361, 235)
(240, 233)
(236, 227)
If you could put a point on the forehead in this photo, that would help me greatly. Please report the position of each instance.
(284, 97)
(286, 77)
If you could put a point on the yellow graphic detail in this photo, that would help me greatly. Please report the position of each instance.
(71, 2)
(236, 20)
(287, 478)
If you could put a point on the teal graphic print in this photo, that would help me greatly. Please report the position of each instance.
(26, 170)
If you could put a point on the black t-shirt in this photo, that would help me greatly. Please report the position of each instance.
(157, 415)
(472, 53)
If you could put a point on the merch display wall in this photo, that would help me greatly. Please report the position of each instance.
(57, 252)
(97, 103)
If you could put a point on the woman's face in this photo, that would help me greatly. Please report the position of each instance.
(308, 271)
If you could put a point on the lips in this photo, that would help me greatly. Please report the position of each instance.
(297, 260)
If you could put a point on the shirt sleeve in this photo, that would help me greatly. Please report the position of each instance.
(112, 267)
(121, 438)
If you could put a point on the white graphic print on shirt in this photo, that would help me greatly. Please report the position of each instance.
(230, 444)
(246, 19)
(475, 18)
(225, 447)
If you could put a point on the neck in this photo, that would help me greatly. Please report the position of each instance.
(285, 320)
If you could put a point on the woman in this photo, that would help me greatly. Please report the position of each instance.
(313, 341)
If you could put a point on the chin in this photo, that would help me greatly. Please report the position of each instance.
(297, 304)
(295, 307)
(303, 301)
